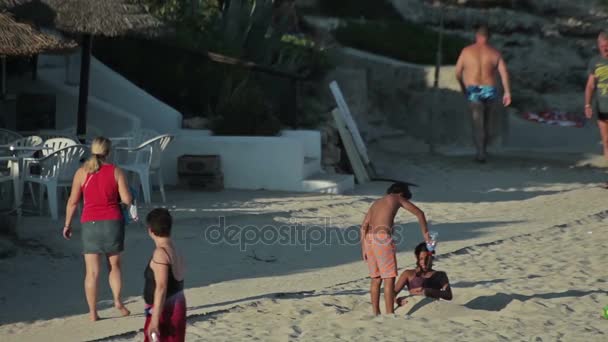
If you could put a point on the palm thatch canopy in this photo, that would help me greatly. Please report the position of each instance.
(8, 4)
(18, 39)
(95, 17)
(108, 17)
(90, 18)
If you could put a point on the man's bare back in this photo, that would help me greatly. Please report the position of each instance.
(476, 72)
(480, 64)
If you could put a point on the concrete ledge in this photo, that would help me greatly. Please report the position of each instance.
(272, 163)
(310, 139)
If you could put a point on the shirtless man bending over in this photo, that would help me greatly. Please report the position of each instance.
(377, 243)
(476, 71)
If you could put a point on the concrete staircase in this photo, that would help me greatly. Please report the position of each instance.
(318, 181)
(315, 179)
(329, 183)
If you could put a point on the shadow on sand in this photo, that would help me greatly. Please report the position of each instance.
(500, 301)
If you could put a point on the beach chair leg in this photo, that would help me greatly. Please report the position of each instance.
(52, 198)
(18, 196)
(40, 198)
(31, 186)
(144, 178)
(162, 186)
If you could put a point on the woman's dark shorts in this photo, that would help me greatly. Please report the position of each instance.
(103, 237)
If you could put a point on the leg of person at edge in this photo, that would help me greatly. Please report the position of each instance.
(596, 91)
(476, 71)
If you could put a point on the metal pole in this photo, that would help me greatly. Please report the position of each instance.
(3, 90)
(34, 67)
(436, 82)
(83, 96)
(294, 100)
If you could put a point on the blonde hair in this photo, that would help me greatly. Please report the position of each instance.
(100, 148)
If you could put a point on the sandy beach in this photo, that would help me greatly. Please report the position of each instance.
(522, 239)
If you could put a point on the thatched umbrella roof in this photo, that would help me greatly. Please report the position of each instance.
(89, 18)
(18, 39)
(8, 4)
(95, 17)
(108, 17)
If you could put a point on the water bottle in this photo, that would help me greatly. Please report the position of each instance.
(606, 312)
(430, 245)
(133, 213)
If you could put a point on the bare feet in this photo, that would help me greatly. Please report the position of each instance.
(123, 309)
(401, 301)
(93, 316)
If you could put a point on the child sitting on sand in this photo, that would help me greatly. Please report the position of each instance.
(377, 244)
(164, 283)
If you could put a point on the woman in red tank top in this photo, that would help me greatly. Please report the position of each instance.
(102, 186)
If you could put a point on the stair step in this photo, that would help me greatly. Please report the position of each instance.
(329, 183)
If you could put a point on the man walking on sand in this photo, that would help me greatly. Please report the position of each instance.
(476, 71)
(377, 242)
(597, 79)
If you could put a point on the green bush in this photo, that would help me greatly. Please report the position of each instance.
(368, 9)
(400, 40)
(243, 110)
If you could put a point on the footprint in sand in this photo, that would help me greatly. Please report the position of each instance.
(339, 309)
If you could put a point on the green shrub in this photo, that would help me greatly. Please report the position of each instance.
(243, 110)
(400, 40)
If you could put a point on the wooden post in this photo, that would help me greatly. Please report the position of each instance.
(3, 86)
(294, 100)
(34, 67)
(83, 96)
(431, 141)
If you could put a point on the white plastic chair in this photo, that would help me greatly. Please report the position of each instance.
(31, 141)
(55, 169)
(145, 160)
(55, 144)
(12, 177)
(132, 139)
(141, 135)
